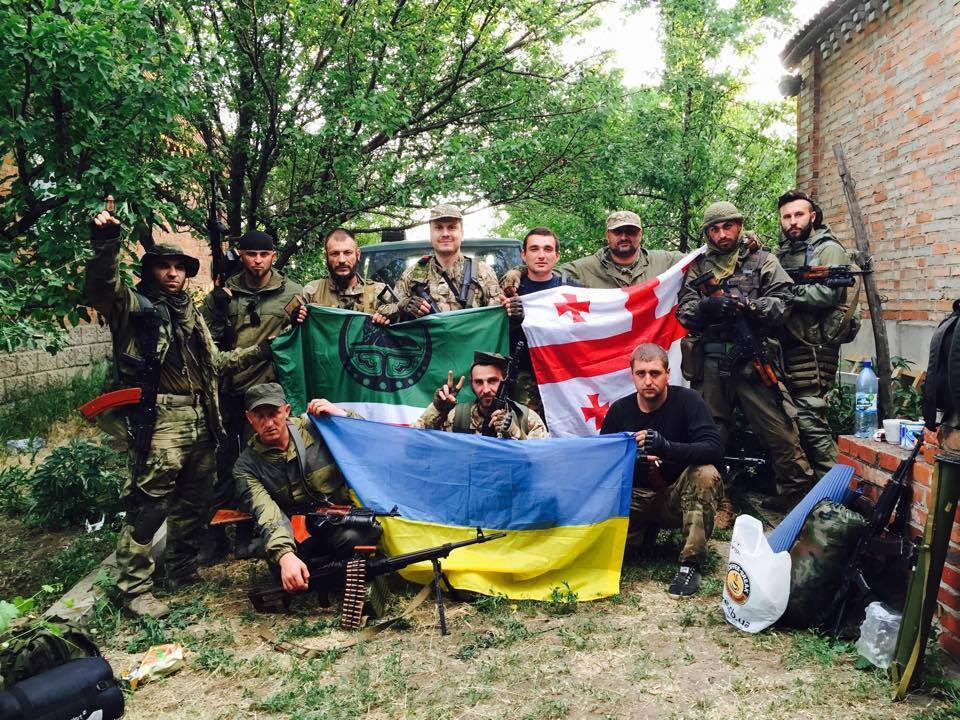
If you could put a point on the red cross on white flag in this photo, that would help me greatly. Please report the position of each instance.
(581, 339)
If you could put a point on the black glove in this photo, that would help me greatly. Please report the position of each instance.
(515, 310)
(719, 307)
(410, 307)
(221, 299)
(266, 351)
(100, 234)
(655, 444)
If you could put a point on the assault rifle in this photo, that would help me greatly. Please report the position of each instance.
(353, 574)
(501, 398)
(746, 347)
(833, 276)
(895, 498)
(226, 262)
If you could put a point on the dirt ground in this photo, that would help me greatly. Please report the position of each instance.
(641, 654)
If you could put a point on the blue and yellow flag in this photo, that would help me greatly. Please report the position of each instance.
(563, 502)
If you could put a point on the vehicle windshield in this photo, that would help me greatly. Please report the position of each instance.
(385, 262)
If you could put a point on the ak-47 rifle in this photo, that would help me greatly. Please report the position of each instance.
(746, 347)
(895, 498)
(353, 574)
(225, 262)
(502, 396)
(833, 276)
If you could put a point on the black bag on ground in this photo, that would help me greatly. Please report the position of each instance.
(80, 689)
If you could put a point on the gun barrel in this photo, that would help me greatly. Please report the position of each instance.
(380, 566)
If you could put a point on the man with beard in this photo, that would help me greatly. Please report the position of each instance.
(821, 319)
(757, 291)
(246, 311)
(180, 461)
(486, 374)
(623, 262)
(345, 288)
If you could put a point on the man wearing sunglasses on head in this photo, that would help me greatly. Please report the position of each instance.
(249, 309)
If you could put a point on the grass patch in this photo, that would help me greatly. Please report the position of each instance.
(81, 556)
(813, 647)
(302, 628)
(150, 631)
(33, 410)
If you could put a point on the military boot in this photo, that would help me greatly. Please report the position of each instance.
(248, 543)
(146, 605)
(216, 546)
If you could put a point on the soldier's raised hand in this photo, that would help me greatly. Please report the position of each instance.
(322, 406)
(445, 398)
(104, 225)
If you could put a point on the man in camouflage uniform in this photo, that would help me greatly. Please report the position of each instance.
(675, 480)
(247, 311)
(486, 374)
(540, 253)
(345, 288)
(180, 465)
(623, 262)
(758, 289)
(286, 465)
(821, 319)
(450, 280)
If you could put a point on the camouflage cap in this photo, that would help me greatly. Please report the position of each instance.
(168, 250)
(489, 358)
(439, 212)
(720, 212)
(264, 394)
(623, 218)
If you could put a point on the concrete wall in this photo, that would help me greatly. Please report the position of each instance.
(884, 81)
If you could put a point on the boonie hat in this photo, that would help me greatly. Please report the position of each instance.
(168, 250)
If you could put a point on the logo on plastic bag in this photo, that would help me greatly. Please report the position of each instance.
(738, 583)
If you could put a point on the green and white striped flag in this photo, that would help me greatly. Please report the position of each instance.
(385, 373)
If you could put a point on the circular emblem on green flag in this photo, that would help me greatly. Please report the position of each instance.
(383, 359)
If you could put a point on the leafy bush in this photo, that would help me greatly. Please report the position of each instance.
(33, 410)
(14, 487)
(840, 409)
(907, 401)
(77, 481)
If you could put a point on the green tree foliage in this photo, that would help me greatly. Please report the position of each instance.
(325, 112)
(92, 91)
(674, 148)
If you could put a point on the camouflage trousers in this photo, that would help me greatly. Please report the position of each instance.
(689, 503)
(816, 437)
(767, 420)
(175, 487)
(527, 392)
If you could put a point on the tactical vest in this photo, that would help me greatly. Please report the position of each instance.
(744, 285)
(464, 294)
(462, 411)
(328, 298)
(942, 384)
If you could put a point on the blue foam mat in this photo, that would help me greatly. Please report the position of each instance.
(833, 485)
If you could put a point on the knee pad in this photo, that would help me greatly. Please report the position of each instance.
(146, 517)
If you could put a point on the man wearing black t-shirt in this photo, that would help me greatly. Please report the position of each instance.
(540, 253)
(675, 481)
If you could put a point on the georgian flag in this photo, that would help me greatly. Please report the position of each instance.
(580, 343)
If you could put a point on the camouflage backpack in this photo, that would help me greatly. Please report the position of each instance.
(36, 650)
(818, 559)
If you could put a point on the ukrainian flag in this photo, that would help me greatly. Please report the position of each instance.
(563, 502)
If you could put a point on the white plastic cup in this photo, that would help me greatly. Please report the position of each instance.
(891, 430)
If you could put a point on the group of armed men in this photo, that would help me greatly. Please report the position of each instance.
(216, 372)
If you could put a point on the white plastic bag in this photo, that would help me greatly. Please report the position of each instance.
(757, 585)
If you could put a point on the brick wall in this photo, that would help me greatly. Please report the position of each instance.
(883, 80)
(874, 463)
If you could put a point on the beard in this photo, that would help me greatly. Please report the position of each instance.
(802, 236)
(342, 281)
(623, 252)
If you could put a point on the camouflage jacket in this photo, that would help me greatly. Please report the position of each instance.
(527, 425)
(484, 286)
(759, 281)
(109, 295)
(363, 297)
(253, 315)
(814, 309)
(600, 271)
(271, 484)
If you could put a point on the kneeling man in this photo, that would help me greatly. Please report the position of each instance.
(675, 482)
(287, 466)
(486, 374)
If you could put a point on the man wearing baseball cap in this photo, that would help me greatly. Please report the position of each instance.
(248, 310)
(623, 262)
(173, 472)
(446, 280)
(287, 465)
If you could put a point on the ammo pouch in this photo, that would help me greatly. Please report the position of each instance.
(840, 326)
(691, 359)
(82, 688)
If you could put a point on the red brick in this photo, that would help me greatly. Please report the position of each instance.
(950, 621)
(951, 577)
(922, 474)
(867, 454)
(948, 598)
(845, 444)
(950, 643)
(889, 461)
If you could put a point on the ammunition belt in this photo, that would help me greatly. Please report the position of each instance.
(354, 593)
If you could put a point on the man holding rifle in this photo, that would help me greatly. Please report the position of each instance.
(161, 345)
(823, 316)
(487, 374)
(730, 356)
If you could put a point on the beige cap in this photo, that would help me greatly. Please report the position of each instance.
(438, 212)
(622, 218)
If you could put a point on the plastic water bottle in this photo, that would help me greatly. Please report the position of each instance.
(866, 403)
